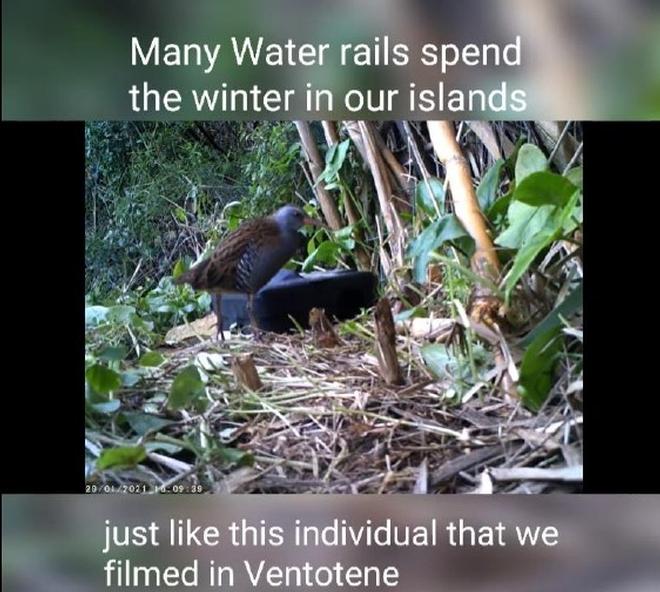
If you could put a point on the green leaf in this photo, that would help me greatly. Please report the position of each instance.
(187, 386)
(537, 366)
(121, 313)
(95, 315)
(540, 189)
(525, 222)
(429, 192)
(326, 252)
(569, 306)
(530, 160)
(113, 353)
(525, 256)
(575, 176)
(102, 379)
(334, 159)
(123, 456)
(151, 359)
(442, 230)
(179, 268)
(439, 360)
(340, 154)
(487, 190)
(537, 243)
(130, 377)
(141, 423)
(107, 407)
(204, 301)
(499, 207)
(344, 233)
(344, 238)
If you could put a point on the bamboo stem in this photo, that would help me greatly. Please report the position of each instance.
(323, 333)
(386, 343)
(466, 205)
(245, 372)
(313, 157)
(330, 131)
(384, 192)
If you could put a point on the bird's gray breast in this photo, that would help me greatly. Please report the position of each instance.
(262, 260)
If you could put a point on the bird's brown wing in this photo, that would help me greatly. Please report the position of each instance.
(226, 268)
(229, 266)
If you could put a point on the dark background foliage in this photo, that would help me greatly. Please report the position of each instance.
(157, 192)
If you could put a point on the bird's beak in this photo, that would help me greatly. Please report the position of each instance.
(313, 222)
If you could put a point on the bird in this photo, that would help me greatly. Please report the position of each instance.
(248, 257)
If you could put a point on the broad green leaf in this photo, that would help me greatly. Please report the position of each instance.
(539, 189)
(186, 387)
(95, 315)
(344, 238)
(334, 159)
(102, 379)
(571, 304)
(487, 190)
(344, 233)
(499, 207)
(525, 222)
(112, 353)
(130, 377)
(141, 423)
(124, 456)
(428, 192)
(530, 160)
(151, 359)
(107, 406)
(340, 153)
(525, 256)
(575, 176)
(446, 229)
(420, 249)
(204, 301)
(326, 252)
(537, 366)
(540, 241)
(439, 360)
(121, 313)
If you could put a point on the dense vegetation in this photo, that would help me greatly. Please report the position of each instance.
(160, 195)
(157, 192)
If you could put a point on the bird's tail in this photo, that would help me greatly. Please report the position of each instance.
(193, 276)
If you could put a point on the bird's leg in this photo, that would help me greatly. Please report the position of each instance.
(253, 321)
(216, 300)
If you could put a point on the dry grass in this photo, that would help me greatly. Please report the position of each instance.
(325, 422)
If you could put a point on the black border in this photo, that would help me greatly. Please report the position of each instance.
(43, 394)
(621, 424)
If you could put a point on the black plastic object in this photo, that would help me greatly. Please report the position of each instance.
(341, 293)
